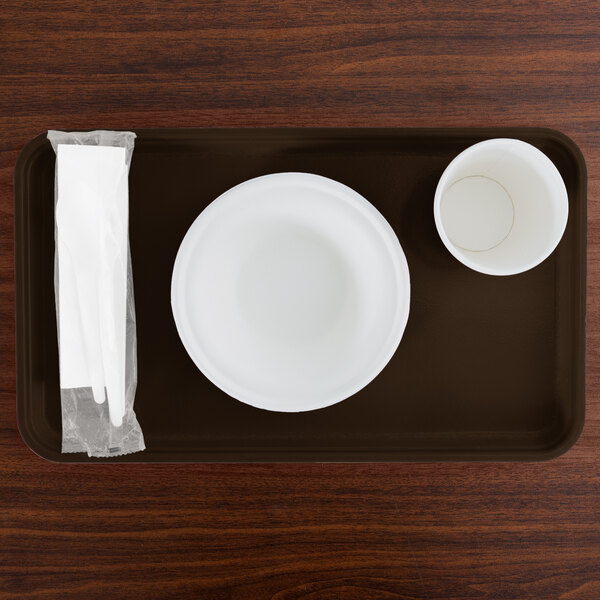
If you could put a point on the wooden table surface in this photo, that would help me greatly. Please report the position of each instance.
(290, 532)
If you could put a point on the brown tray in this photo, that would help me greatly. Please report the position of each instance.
(490, 368)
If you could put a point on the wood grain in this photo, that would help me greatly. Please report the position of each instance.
(291, 532)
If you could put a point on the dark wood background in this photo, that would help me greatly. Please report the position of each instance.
(291, 532)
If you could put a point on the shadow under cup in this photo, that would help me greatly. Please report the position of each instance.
(501, 207)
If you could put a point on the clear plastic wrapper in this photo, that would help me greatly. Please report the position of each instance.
(94, 293)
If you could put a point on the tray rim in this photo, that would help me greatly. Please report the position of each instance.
(36, 443)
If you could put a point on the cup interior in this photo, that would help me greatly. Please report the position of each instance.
(501, 206)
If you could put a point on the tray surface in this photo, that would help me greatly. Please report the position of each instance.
(489, 368)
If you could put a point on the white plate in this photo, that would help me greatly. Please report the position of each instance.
(290, 292)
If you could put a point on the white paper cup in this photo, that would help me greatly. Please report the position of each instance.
(501, 207)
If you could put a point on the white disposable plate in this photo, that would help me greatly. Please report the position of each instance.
(290, 292)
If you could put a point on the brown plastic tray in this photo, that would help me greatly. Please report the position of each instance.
(490, 368)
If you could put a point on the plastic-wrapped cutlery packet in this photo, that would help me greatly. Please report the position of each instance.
(94, 293)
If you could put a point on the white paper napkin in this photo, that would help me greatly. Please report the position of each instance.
(92, 223)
